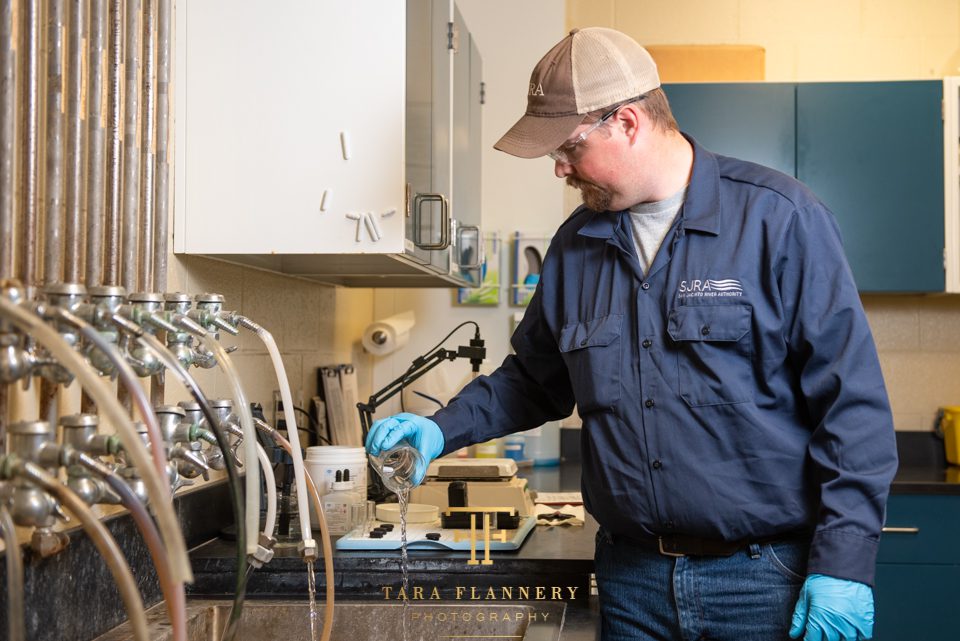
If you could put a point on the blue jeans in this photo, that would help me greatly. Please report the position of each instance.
(748, 596)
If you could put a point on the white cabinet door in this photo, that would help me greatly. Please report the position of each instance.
(290, 127)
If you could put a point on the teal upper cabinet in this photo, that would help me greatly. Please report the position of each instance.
(873, 152)
(752, 121)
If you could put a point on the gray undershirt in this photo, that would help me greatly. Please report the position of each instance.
(651, 222)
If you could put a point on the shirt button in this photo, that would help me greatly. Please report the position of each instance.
(649, 402)
(669, 525)
(657, 464)
(646, 343)
(645, 286)
(705, 330)
(583, 342)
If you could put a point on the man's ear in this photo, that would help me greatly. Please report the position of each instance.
(632, 121)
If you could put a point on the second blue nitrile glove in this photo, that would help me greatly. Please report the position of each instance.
(831, 609)
(420, 432)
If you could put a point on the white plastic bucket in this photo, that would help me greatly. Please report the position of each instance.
(322, 463)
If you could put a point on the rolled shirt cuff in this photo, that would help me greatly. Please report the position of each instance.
(843, 555)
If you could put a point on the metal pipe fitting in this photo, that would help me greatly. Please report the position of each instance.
(16, 362)
(129, 472)
(32, 441)
(105, 301)
(180, 343)
(146, 309)
(68, 296)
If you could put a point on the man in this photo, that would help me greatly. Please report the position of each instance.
(737, 442)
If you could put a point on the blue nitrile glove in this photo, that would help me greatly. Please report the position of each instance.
(420, 432)
(831, 609)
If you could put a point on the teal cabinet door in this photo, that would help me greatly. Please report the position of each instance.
(916, 602)
(751, 120)
(917, 588)
(873, 152)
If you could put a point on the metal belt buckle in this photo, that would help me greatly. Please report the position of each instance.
(666, 553)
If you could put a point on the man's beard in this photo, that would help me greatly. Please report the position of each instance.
(594, 197)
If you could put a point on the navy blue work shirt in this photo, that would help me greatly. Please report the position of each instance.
(734, 392)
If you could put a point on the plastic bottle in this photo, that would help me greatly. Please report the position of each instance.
(344, 505)
(542, 444)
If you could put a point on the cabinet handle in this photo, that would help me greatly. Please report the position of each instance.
(479, 253)
(418, 201)
(901, 530)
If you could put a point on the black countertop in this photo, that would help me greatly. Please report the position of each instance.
(551, 556)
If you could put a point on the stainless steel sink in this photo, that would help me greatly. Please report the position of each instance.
(265, 620)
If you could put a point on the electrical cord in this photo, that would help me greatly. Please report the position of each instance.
(444, 339)
(314, 423)
(416, 362)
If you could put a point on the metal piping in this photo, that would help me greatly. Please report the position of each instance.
(53, 214)
(131, 134)
(111, 250)
(162, 197)
(73, 219)
(8, 96)
(147, 117)
(29, 170)
(96, 62)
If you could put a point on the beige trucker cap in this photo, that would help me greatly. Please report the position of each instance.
(590, 69)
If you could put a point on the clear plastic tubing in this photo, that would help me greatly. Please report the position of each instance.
(300, 473)
(324, 534)
(16, 630)
(174, 594)
(252, 477)
(106, 400)
(271, 482)
(103, 541)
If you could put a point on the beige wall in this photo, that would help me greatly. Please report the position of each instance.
(805, 40)
(825, 40)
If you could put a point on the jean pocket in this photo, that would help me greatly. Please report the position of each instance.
(714, 353)
(789, 559)
(592, 352)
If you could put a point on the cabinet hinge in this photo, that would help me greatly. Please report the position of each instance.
(483, 93)
(944, 258)
(452, 37)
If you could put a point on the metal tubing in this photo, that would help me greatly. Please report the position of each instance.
(29, 140)
(111, 250)
(131, 153)
(53, 214)
(162, 185)
(147, 118)
(73, 227)
(8, 95)
(96, 46)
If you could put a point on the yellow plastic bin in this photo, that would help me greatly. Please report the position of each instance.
(950, 426)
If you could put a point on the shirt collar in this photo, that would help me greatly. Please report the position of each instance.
(701, 209)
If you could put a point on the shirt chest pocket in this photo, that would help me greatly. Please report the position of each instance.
(714, 353)
(592, 351)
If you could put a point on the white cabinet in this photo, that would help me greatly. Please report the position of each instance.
(294, 148)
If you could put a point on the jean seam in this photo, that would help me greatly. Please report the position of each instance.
(781, 567)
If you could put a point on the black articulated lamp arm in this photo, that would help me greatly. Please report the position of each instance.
(420, 366)
(476, 352)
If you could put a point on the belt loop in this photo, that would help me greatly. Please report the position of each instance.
(754, 550)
